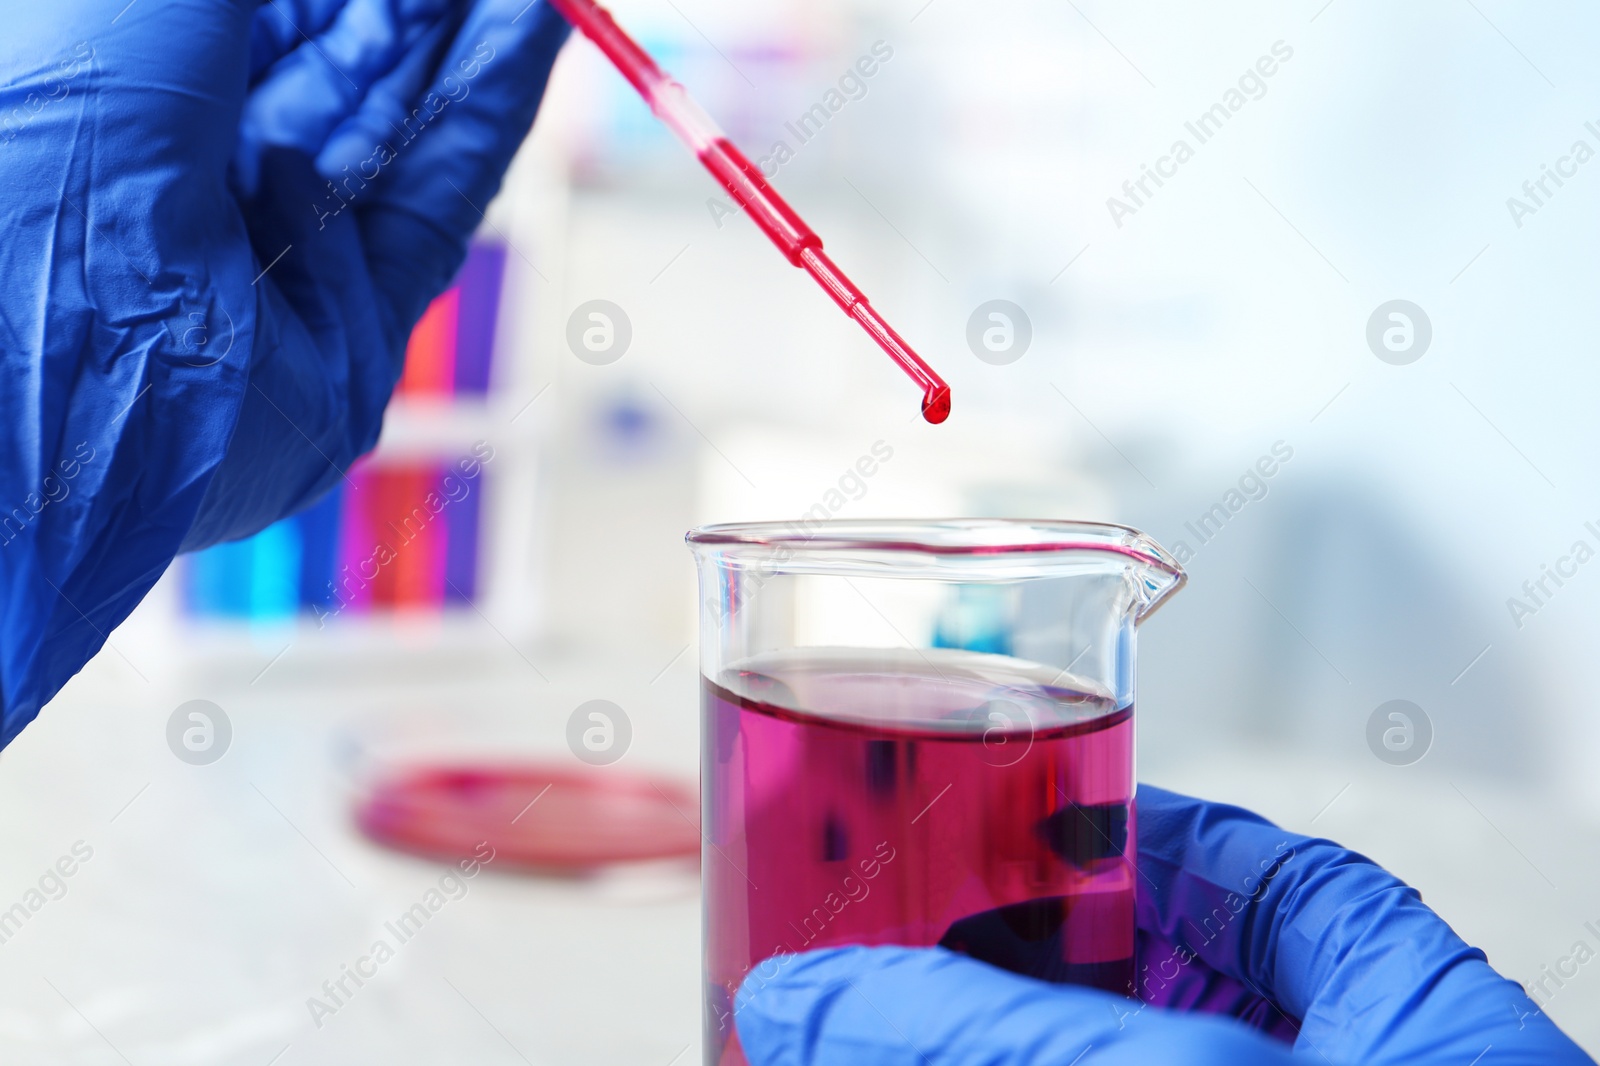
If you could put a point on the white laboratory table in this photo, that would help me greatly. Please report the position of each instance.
(218, 899)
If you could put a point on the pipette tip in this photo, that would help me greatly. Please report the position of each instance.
(936, 404)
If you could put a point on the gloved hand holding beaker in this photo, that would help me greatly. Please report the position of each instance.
(1314, 952)
(222, 219)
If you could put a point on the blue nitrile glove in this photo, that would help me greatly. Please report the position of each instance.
(221, 220)
(1241, 921)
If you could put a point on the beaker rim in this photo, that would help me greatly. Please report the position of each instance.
(988, 548)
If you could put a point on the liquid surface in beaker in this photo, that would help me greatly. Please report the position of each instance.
(897, 796)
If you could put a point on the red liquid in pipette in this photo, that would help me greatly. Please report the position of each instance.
(748, 186)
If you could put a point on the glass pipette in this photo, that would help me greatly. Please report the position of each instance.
(671, 103)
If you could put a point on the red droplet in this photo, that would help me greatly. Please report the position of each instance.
(936, 404)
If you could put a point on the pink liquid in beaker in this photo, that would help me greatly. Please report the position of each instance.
(881, 796)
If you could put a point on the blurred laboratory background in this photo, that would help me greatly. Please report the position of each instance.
(1319, 351)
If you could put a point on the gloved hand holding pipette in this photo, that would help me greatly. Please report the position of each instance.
(1257, 947)
(222, 218)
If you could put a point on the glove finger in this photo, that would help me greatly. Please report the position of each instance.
(304, 95)
(322, 368)
(931, 1007)
(281, 26)
(1170, 976)
(355, 152)
(441, 156)
(1334, 939)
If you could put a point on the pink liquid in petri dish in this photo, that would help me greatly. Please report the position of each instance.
(885, 796)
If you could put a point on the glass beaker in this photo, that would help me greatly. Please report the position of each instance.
(919, 733)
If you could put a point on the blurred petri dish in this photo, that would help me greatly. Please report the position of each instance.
(536, 818)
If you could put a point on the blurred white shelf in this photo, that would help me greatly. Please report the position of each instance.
(422, 427)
